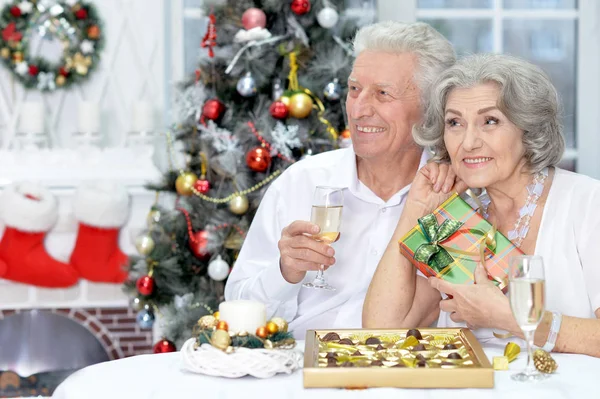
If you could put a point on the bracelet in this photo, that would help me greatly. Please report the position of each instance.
(553, 334)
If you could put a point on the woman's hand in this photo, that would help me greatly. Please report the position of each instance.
(433, 184)
(480, 305)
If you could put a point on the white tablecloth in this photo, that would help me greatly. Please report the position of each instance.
(162, 376)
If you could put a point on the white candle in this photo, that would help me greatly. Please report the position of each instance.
(31, 117)
(243, 315)
(143, 117)
(88, 120)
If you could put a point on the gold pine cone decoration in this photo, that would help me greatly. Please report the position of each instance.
(220, 339)
(208, 322)
(544, 362)
(282, 325)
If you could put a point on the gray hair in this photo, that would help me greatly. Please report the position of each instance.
(434, 52)
(527, 98)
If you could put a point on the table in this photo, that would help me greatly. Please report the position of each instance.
(161, 376)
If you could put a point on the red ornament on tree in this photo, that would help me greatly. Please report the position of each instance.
(198, 244)
(253, 18)
(279, 110)
(33, 70)
(258, 159)
(213, 109)
(15, 11)
(81, 13)
(300, 7)
(202, 186)
(63, 71)
(145, 285)
(164, 346)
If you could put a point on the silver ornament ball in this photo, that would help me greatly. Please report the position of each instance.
(328, 17)
(246, 86)
(218, 269)
(145, 318)
(333, 90)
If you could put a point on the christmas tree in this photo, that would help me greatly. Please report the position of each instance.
(268, 92)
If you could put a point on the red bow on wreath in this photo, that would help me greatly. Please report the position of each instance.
(11, 34)
(210, 38)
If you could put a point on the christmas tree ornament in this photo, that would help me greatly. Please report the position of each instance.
(210, 37)
(282, 325)
(145, 318)
(218, 269)
(254, 17)
(164, 346)
(258, 159)
(279, 110)
(300, 7)
(220, 339)
(262, 332)
(222, 325)
(217, 315)
(327, 17)
(272, 327)
(276, 89)
(207, 322)
(333, 90)
(5, 52)
(300, 105)
(202, 185)
(153, 217)
(246, 86)
(60, 80)
(345, 134)
(145, 285)
(285, 99)
(144, 244)
(184, 183)
(198, 244)
(239, 204)
(213, 109)
(93, 32)
(544, 362)
(137, 303)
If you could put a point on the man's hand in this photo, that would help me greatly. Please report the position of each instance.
(299, 252)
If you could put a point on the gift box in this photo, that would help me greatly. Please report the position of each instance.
(449, 243)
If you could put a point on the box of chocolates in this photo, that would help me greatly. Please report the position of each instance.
(416, 358)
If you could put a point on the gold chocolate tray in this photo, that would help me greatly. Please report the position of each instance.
(398, 361)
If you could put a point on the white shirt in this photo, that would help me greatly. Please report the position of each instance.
(568, 241)
(367, 225)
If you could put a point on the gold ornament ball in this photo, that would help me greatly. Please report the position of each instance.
(282, 325)
(144, 244)
(153, 217)
(272, 328)
(285, 100)
(61, 80)
(5, 52)
(300, 105)
(262, 332)
(207, 322)
(18, 56)
(216, 315)
(220, 339)
(185, 182)
(239, 204)
(222, 325)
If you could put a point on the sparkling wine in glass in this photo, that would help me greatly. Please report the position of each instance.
(327, 214)
(527, 301)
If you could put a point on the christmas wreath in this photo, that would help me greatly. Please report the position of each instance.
(74, 23)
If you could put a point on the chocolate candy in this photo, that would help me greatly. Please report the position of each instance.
(331, 355)
(454, 355)
(347, 364)
(345, 341)
(421, 363)
(331, 362)
(331, 337)
(380, 348)
(420, 357)
(376, 363)
(373, 341)
(419, 347)
(415, 333)
(357, 353)
(450, 346)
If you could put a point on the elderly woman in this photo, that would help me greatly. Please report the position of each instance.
(495, 120)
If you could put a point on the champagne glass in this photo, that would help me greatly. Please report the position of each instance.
(327, 214)
(527, 301)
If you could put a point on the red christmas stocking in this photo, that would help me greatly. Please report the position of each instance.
(102, 209)
(29, 211)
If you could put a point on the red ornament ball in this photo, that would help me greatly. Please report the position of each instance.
(300, 7)
(202, 186)
(164, 346)
(258, 159)
(63, 71)
(33, 70)
(81, 13)
(213, 109)
(254, 17)
(198, 245)
(145, 285)
(279, 110)
(15, 11)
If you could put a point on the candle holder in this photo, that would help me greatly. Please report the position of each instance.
(31, 140)
(30, 133)
(87, 139)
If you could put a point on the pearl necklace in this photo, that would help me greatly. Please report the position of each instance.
(535, 190)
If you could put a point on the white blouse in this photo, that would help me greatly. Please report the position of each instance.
(569, 242)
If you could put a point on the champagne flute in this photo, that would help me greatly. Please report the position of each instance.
(327, 214)
(527, 301)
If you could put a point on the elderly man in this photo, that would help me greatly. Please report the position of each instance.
(395, 63)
